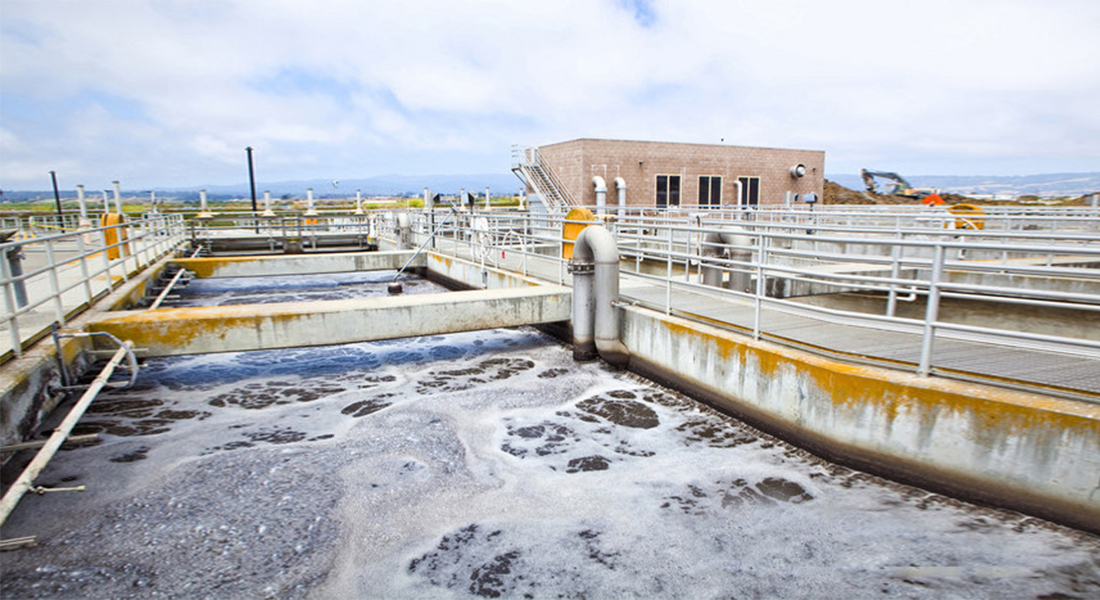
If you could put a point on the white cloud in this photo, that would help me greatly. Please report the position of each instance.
(359, 86)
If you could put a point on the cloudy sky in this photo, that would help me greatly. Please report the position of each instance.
(162, 93)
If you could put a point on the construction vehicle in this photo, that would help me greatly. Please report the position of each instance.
(900, 187)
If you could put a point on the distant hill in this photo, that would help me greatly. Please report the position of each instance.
(1045, 185)
(382, 185)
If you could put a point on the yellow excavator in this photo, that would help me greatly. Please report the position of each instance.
(899, 187)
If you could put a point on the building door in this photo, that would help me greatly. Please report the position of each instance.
(668, 191)
(710, 191)
(750, 191)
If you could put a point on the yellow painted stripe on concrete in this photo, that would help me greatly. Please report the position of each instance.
(237, 328)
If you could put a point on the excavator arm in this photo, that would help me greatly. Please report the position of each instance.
(869, 180)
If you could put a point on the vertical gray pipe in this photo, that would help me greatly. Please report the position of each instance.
(620, 186)
(403, 231)
(731, 243)
(118, 196)
(601, 194)
(596, 296)
(584, 313)
(310, 209)
(80, 201)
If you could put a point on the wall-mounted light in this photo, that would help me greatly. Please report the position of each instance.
(798, 170)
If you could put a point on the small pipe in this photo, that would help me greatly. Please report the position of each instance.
(26, 480)
(267, 204)
(118, 196)
(168, 288)
(601, 194)
(310, 210)
(620, 185)
(130, 356)
(72, 439)
(83, 205)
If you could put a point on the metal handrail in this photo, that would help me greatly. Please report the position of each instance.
(935, 272)
(69, 271)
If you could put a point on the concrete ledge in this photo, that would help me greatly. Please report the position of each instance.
(239, 328)
(1026, 452)
(298, 264)
(25, 398)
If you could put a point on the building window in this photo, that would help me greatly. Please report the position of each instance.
(750, 191)
(710, 191)
(668, 191)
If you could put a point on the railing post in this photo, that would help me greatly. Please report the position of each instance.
(761, 287)
(668, 276)
(895, 272)
(55, 283)
(10, 304)
(932, 312)
(82, 250)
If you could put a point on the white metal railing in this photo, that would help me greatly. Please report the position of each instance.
(1032, 258)
(47, 278)
(278, 230)
(1041, 260)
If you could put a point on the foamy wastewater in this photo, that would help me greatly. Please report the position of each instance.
(487, 464)
(219, 291)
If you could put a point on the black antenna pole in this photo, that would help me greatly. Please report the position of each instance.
(251, 178)
(56, 194)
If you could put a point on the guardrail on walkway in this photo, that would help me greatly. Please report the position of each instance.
(793, 258)
(903, 263)
(48, 278)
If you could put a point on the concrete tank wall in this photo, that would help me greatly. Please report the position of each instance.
(1035, 454)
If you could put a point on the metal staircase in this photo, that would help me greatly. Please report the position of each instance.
(529, 166)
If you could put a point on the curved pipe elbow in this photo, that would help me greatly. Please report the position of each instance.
(595, 297)
(599, 183)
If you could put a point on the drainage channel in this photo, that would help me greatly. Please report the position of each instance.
(488, 464)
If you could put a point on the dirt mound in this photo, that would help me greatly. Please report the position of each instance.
(838, 194)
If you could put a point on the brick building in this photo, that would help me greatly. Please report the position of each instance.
(666, 174)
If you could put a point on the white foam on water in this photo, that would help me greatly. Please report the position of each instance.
(491, 464)
(220, 291)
